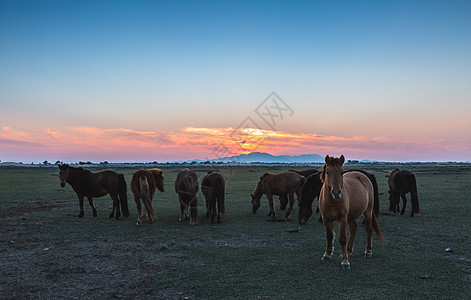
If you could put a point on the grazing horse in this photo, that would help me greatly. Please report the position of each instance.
(400, 183)
(213, 187)
(186, 186)
(306, 174)
(344, 197)
(143, 186)
(277, 184)
(88, 184)
(312, 188)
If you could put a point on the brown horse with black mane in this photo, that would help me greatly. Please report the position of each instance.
(344, 197)
(400, 183)
(143, 186)
(312, 188)
(88, 184)
(186, 186)
(277, 184)
(213, 187)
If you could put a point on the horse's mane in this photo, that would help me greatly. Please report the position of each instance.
(80, 169)
(262, 177)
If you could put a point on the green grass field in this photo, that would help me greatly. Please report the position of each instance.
(46, 252)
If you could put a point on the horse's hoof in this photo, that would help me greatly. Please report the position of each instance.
(346, 265)
(368, 254)
(325, 257)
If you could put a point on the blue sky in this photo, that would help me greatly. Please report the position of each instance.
(398, 72)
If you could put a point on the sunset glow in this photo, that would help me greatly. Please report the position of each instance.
(165, 81)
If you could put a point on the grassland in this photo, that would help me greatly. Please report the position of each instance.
(46, 252)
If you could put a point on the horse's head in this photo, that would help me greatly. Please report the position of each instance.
(63, 174)
(332, 175)
(305, 211)
(393, 203)
(255, 203)
(159, 180)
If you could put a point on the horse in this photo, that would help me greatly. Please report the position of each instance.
(277, 184)
(213, 187)
(88, 184)
(312, 188)
(344, 197)
(143, 186)
(306, 174)
(400, 183)
(186, 186)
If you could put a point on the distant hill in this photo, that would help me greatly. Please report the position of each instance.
(261, 157)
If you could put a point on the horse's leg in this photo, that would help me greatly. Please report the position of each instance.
(329, 235)
(404, 202)
(343, 242)
(82, 212)
(138, 205)
(352, 228)
(291, 203)
(115, 207)
(182, 209)
(213, 208)
(219, 209)
(272, 207)
(92, 205)
(194, 211)
(369, 232)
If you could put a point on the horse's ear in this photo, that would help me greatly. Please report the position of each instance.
(327, 159)
(342, 159)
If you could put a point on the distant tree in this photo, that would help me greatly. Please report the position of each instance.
(45, 162)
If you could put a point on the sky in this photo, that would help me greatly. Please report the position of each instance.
(124, 81)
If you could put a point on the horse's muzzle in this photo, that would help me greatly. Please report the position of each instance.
(337, 194)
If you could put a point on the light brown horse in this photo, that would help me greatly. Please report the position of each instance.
(213, 187)
(88, 184)
(344, 197)
(143, 186)
(286, 183)
(186, 186)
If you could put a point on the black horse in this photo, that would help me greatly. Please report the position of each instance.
(400, 183)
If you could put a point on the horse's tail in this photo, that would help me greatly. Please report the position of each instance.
(220, 194)
(376, 227)
(123, 195)
(303, 180)
(413, 195)
(376, 195)
(145, 196)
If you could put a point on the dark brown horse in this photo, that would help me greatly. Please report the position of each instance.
(344, 197)
(312, 188)
(213, 187)
(143, 186)
(306, 174)
(88, 184)
(186, 186)
(277, 184)
(400, 183)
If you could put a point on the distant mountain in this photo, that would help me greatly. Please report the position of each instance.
(261, 157)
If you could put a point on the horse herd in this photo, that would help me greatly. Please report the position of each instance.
(343, 196)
